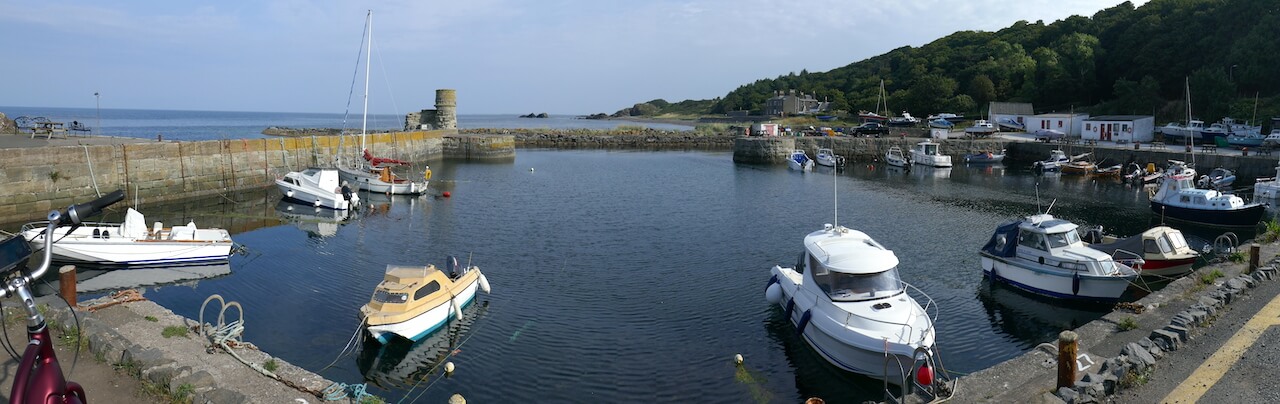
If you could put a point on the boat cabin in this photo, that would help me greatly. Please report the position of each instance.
(927, 148)
(1049, 241)
(849, 266)
(1179, 190)
(406, 289)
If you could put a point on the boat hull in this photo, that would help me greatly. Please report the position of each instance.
(1058, 284)
(316, 197)
(1244, 217)
(1170, 267)
(213, 246)
(428, 321)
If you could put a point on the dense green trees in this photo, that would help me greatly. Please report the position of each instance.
(1120, 60)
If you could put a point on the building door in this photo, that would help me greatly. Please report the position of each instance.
(1105, 133)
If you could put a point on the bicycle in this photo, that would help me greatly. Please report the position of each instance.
(39, 378)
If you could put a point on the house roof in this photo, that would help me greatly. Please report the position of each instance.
(1061, 115)
(1011, 108)
(1119, 118)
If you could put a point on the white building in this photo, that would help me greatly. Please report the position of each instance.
(1070, 124)
(1120, 128)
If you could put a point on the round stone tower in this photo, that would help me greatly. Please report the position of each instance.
(446, 109)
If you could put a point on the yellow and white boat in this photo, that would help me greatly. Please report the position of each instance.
(413, 301)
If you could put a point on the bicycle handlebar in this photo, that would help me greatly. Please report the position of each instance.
(75, 214)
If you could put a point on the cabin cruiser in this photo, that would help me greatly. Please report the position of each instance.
(1178, 133)
(929, 153)
(799, 161)
(825, 157)
(1163, 249)
(1268, 188)
(906, 120)
(894, 157)
(413, 301)
(1045, 255)
(318, 187)
(1178, 198)
(847, 301)
(1011, 124)
(1057, 158)
(980, 128)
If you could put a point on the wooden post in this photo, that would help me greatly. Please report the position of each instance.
(67, 283)
(1254, 251)
(1067, 359)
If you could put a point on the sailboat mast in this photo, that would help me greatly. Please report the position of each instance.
(364, 121)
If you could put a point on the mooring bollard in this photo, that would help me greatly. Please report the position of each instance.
(1254, 251)
(1067, 359)
(67, 283)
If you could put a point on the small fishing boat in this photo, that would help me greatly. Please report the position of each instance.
(906, 120)
(867, 116)
(1048, 135)
(1163, 249)
(941, 124)
(1055, 161)
(1045, 255)
(132, 244)
(980, 128)
(1135, 174)
(825, 157)
(1011, 124)
(413, 301)
(1218, 178)
(1268, 188)
(847, 301)
(800, 161)
(1078, 165)
(318, 187)
(930, 154)
(1110, 171)
(1179, 199)
(894, 157)
(984, 157)
(947, 117)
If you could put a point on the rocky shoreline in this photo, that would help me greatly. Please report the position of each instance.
(297, 132)
(622, 138)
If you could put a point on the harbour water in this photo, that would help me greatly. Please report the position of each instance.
(209, 125)
(636, 276)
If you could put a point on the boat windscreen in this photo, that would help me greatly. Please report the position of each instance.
(389, 297)
(847, 287)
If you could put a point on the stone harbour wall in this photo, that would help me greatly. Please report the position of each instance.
(40, 179)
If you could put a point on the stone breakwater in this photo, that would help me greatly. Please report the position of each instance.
(646, 139)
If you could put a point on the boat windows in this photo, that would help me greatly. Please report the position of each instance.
(1150, 247)
(1059, 240)
(384, 296)
(426, 290)
(843, 287)
(1176, 240)
(800, 263)
(1031, 240)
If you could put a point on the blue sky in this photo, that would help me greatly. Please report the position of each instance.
(503, 56)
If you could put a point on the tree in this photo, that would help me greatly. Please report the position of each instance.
(931, 94)
(1211, 94)
(982, 90)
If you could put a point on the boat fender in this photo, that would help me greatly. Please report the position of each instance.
(1075, 283)
(791, 305)
(773, 294)
(804, 322)
(457, 310)
(484, 282)
(317, 203)
(289, 193)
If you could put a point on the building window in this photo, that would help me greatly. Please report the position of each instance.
(1088, 126)
(1059, 124)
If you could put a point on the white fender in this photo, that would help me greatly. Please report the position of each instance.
(484, 282)
(773, 294)
(317, 202)
(457, 311)
(289, 193)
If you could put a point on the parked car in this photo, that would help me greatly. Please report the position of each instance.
(871, 128)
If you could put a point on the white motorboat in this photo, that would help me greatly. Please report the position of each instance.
(371, 173)
(1012, 124)
(1219, 178)
(1044, 255)
(1057, 158)
(1178, 133)
(941, 124)
(980, 128)
(906, 120)
(318, 187)
(894, 157)
(133, 244)
(799, 161)
(848, 303)
(413, 301)
(930, 154)
(1048, 135)
(825, 157)
(1273, 139)
(1178, 198)
(1268, 188)
(947, 116)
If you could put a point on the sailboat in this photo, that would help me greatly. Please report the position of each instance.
(370, 173)
(874, 116)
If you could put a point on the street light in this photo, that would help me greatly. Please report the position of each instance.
(97, 101)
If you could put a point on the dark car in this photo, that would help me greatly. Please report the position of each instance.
(871, 128)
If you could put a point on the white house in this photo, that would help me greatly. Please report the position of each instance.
(1120, 128)
(1070, 124)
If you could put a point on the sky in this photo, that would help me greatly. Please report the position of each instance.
(502, 56)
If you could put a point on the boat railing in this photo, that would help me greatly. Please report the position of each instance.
(1128, 258)
(43, 224)
(938, 385)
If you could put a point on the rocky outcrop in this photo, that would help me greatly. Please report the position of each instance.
(295, 132)
(7, 125)
(625, 138)
(533, 115)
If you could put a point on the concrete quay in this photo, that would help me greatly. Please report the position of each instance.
(1178, 330)
(130, 336)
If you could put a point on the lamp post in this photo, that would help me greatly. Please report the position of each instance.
(97, 102)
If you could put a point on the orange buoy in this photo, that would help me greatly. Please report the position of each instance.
(446, 194)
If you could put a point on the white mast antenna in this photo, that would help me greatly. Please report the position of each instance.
(364, 122)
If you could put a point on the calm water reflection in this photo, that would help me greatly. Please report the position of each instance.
(635, 276)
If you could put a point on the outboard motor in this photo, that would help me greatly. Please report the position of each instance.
(452, 268)
(346, 191)
(1093, 235)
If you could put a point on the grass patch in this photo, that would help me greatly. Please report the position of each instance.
(1133, 379)
(174, 331)
(182, 394)
(1272, 232)
(1208, 278)
(271, 365)
(151, 318)
(1127, 323)
(1237, 256)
